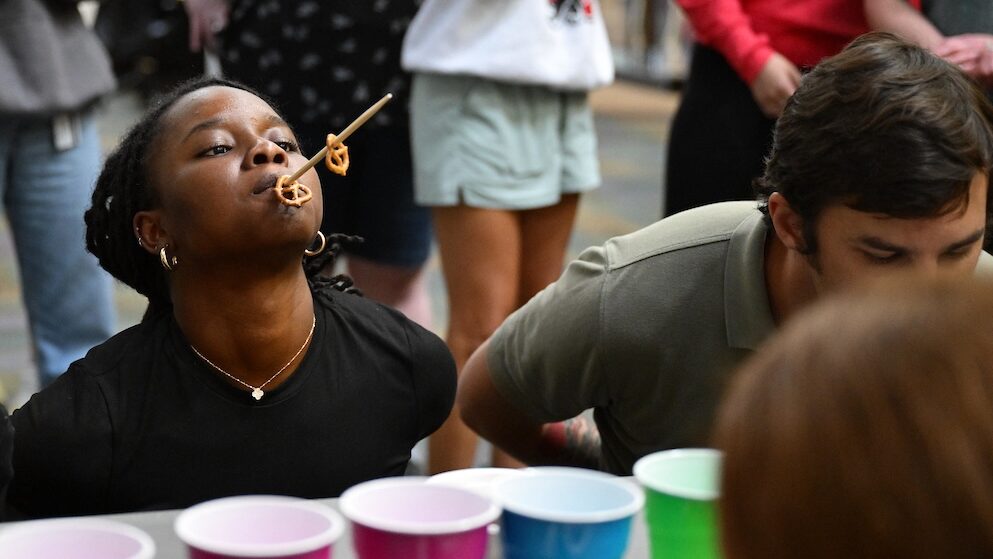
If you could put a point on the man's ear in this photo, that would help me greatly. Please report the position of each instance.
(787, 223)
(148, 228)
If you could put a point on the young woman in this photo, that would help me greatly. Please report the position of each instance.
(503, 147)
(246, 375)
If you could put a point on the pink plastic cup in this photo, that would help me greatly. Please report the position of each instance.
(259, 526)
(406, 517)
(75, 538)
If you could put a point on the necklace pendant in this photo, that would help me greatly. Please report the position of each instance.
(257, 394)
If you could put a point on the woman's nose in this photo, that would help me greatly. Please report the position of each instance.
(268, 152)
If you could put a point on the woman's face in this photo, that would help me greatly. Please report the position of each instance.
(218, 152)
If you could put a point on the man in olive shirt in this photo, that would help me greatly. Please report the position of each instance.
(881, 164)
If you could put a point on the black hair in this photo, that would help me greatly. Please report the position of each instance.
(124, 189)
(885, 127)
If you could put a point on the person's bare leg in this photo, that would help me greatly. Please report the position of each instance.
(545, 235)
(403, 288)
(480, 252)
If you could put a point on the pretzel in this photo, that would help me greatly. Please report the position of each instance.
(337, 156)
(294, 194)
(336, 153)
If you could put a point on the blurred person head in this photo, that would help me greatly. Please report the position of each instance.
(864, 428)
(881, 160)
(193, 176)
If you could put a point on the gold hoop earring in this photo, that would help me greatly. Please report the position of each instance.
(168, 263)
(320, 249)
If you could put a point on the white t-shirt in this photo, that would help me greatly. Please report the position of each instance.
(561, 44)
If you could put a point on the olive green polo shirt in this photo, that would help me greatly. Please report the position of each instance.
(645, 329)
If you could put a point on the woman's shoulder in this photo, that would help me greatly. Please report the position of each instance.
(378, 320)
(135, 342)
(356, 307)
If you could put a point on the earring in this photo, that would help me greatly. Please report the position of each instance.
(167, 263)
(137, 235)
(324, 241)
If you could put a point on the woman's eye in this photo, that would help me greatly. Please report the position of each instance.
(288, 145)
(216, 150)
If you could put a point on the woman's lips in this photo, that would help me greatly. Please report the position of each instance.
(266, 183)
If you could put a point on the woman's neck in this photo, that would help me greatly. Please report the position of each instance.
(247, 326)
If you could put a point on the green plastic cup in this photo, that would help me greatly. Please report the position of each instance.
(681, 487)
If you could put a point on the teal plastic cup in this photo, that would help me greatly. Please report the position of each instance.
(681, 490)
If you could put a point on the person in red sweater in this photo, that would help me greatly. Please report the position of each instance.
(747, 61)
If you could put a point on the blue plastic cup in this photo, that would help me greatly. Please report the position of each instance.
(566, 515)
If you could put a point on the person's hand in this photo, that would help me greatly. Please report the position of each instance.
(973, 52)
(777, 80)
(207, 19)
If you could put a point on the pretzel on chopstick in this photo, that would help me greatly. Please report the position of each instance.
(292, 193)
(337, 157)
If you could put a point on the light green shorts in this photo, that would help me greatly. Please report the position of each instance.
(489, 144)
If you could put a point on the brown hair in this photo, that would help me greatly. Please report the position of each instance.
(885, 127)
(865, 429)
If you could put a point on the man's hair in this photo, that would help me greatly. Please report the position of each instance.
(125, 188)
(865, 429)
(883, 127)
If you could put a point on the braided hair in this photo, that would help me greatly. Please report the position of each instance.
(124, 189)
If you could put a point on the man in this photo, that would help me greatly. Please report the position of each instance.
(881, 163)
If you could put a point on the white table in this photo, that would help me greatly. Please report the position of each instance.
(159, 526)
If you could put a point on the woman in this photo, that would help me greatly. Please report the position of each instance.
(245, 376)
(865, 429)
(503, 147)
(747, 60)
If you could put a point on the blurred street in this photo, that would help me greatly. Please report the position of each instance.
(632, 122)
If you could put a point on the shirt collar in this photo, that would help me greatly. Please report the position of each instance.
(748, 315)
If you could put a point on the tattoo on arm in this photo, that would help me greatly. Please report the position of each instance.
(574, 442)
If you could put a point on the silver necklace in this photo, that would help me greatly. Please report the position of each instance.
(257, 392)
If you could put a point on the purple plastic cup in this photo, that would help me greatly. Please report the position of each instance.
(75, 538)
(406, 517)
(259, 526)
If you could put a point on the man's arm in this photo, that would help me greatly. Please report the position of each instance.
(574, 442)
(972, 52)
(900, 18)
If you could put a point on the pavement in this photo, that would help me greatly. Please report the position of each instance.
(632, 124)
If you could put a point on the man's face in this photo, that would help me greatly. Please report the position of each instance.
(853, 246)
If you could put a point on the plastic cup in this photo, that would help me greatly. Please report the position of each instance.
(259, 526)
(567, 470)
(409, 518)
(681, 488)
(566, 515)
(75, 538)
(480, 480)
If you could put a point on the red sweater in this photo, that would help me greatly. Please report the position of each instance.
(747, 32)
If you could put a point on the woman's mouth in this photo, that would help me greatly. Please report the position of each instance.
(265, 184)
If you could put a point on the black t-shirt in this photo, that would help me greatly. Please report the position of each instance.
(141, 423)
